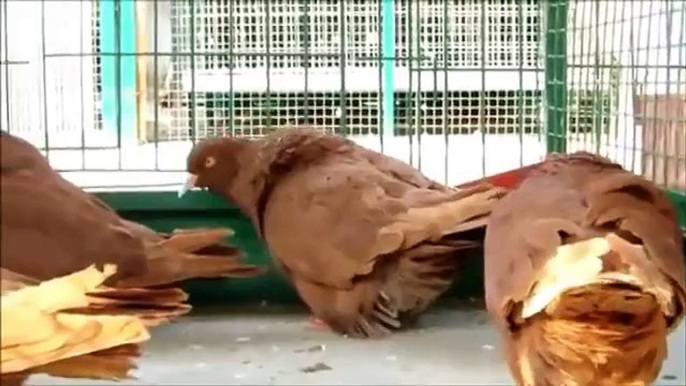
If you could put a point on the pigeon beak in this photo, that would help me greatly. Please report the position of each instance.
(188, 184)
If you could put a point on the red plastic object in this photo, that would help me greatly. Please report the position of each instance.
(509, 179)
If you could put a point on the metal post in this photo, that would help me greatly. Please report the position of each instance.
(117, 71)
(556, 75)
(388, 66)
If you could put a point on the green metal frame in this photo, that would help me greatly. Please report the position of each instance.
(679, 200)
(556, 75)
(164, 211)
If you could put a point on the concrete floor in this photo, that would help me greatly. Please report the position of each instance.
(276, 346)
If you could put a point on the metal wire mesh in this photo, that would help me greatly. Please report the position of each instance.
(288, 63)
(626, 85)
(459, 89)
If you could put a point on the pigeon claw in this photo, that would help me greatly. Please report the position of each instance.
(318, 323)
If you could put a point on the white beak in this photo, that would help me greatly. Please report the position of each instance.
(188, 184)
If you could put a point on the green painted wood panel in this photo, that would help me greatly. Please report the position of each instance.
(163, 211)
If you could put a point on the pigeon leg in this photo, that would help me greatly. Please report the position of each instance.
(318, 323)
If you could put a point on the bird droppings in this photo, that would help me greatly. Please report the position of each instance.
(316, 348)
(246, 362)
(670, 377)
(243, 339)
(196, 347)
(239, 376)
(391, 357)
(319, 366)
(488, 347)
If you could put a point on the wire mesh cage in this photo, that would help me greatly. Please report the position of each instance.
(626, 85)
(293, 62)
(459, 89)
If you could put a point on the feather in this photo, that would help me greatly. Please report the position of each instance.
(52, 228)
(62, 340)
(584, 274)
(367, 241)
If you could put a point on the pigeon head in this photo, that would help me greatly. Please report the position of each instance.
(213, 164)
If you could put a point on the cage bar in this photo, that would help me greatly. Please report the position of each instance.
(556, 74)
(388, 64)
(118, 68)
(492, 83)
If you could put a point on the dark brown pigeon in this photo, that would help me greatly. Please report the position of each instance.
(367, 240)
(52, 228)
(584, 274)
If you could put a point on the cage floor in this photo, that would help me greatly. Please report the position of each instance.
(276, 346)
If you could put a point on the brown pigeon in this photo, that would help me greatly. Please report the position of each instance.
(584, 274)
(367, 241)
(52, 228)
(60, 340)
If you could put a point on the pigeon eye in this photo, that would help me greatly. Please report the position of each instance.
(209, 162)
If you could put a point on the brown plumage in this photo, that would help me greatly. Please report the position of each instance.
(61, 340)
(584, 274)
(52, 228)
(367, 241)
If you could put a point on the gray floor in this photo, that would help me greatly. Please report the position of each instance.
(277, 347)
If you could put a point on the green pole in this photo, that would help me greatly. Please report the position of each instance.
(556, 75)
(117, 71)
(388, 65)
